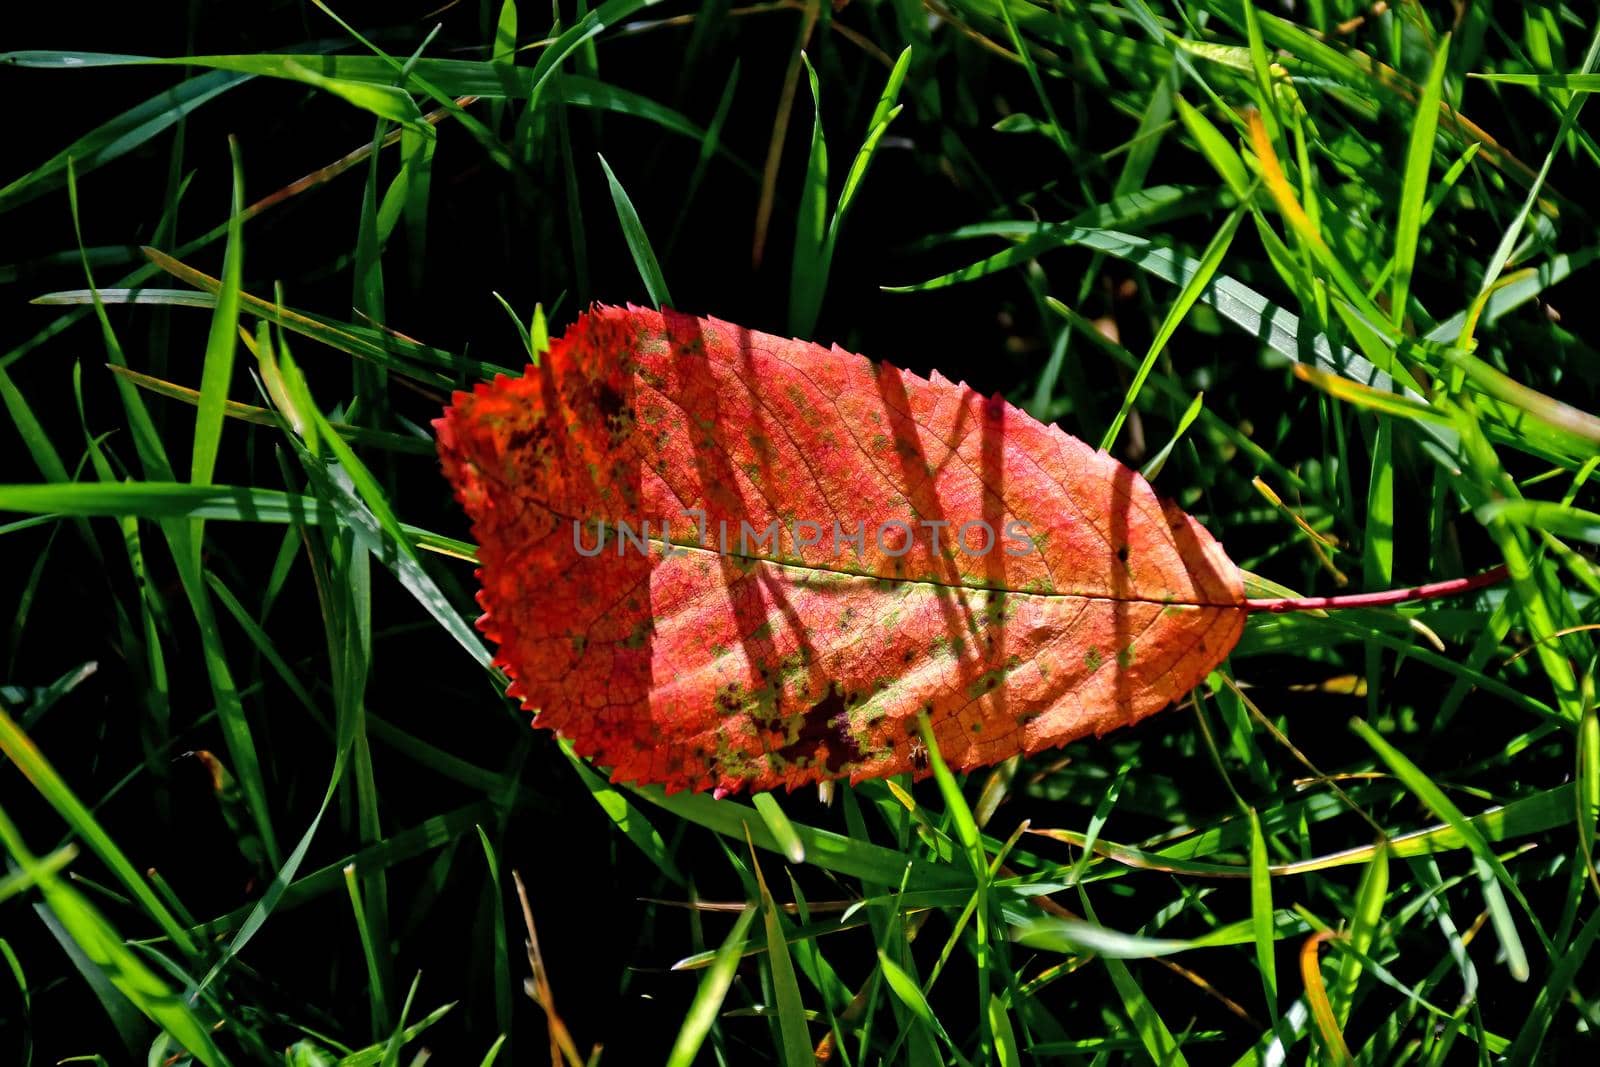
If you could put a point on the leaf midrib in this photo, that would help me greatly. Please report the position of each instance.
(933, 582)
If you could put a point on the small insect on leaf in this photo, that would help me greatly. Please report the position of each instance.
(717, 559)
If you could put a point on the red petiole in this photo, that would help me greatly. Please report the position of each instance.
(1431, 591)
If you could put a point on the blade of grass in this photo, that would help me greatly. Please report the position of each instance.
(1147, 1022)
(374, 1054)
(1377, 543)
(384, 101)
(627, 817)
(1533, 814)
(796, 1038)
(1575, 83)
(20, 881)
(1370, 896)
(966, 827)
(387, 350)
(702, 1013)
(1508, 240)
(1216, 149)
(21, 978)
(814, 243)
(644, 258)
(1317, 995)
(882, 115)
(445, 77)
(779, 826)
(1261, 915)
(584, 30)
(354, 495)
(115, 138)
(1544, 606)
(909, 993)
(159, 500)
(1492, 874)
(1158, 461)
(370, 952)
(500, 946)
(1187, 297)
(708, 149)
(104, 948)
(22, 752)
(808, 274)
(830, 851)
(1414, 186)
(397, 847)
(260, 416)
(280, 881)
(1530, 1038)
(217, 370)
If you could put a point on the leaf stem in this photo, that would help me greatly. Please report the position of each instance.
(1279, 605)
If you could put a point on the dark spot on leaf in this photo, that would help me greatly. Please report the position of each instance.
(825, 732)
(527, 437)
(609, 403)
(637, 638)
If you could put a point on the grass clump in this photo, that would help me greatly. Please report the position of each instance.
(1313, 271)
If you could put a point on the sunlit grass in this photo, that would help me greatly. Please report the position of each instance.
(1305, 271)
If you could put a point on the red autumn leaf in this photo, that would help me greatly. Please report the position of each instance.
(1043, 593)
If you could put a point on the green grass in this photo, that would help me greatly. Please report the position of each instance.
(266, 801)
